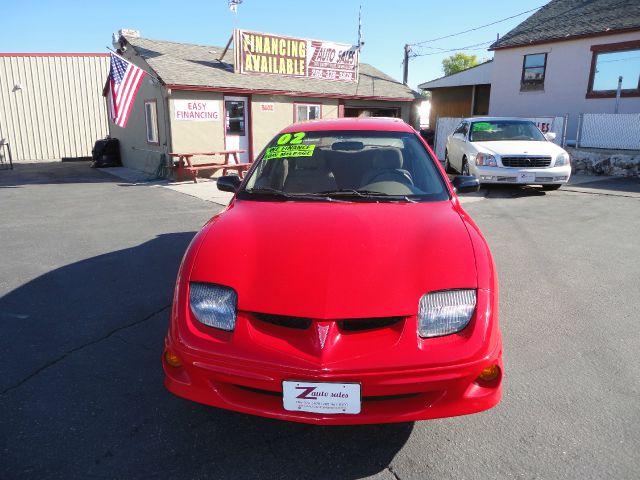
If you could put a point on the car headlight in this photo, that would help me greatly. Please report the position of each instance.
(213, 305)
(485, 160)
(446, 312)
(562, 159)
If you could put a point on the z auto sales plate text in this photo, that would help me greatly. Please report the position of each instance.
(319, 397)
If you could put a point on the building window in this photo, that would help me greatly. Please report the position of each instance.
(366, 112)
(533, 71)
(235, 121)
(151, 118)
(610, 62)
(306, 112)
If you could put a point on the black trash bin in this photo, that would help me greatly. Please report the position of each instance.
(106, 153)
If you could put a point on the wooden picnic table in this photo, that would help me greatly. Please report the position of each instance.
(184, 163)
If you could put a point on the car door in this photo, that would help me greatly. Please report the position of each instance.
(466, 147)
(456, 145)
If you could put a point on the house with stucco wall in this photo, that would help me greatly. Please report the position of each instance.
(566, 59)
(461, 94)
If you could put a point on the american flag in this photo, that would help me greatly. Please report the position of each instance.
(124, 81)
(233, 5)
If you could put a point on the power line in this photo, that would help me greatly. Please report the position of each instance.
(477, 46)
(476, 28)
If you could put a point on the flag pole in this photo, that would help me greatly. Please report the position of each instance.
(146, 73)
(360, 42)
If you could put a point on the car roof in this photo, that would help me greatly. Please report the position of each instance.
(492, 119)
(373, 124)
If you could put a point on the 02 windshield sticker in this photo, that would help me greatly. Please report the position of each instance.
(283, 151)
(291, 139)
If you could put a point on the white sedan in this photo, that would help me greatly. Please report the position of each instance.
(507, 150)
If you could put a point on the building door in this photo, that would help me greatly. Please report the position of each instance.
(236, 126)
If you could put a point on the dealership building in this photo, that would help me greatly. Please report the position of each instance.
(198, 98)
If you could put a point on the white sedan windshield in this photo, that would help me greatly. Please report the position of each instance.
(493, 131)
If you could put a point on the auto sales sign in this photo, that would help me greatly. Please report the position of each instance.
(266, 54)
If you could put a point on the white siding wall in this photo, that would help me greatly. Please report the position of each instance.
(59, 112)
(565, 86)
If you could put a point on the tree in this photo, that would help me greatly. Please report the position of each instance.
(458, 62)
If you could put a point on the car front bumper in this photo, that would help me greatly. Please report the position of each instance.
(402, 377)
(509, 175)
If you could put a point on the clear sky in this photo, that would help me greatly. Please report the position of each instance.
(86, 26)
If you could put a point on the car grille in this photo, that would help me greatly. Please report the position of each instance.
(299, 323)
(526, 162)
(348, 324)
(364, 399)
(359, 324)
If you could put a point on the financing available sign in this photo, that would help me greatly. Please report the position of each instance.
(266, 54)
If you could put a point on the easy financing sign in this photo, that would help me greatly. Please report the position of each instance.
(266, 54)
(197, 110)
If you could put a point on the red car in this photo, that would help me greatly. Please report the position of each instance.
(344, 284)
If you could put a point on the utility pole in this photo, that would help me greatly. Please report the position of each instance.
(618, 91)
(405, 75)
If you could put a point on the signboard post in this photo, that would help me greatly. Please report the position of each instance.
(266, 54)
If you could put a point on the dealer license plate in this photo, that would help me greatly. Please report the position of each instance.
(318, 397)
(525, 177)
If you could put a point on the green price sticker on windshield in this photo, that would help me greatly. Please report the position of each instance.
(481, 127)
(286, 151)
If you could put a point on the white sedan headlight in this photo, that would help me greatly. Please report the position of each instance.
(485, 160)
(562, 159)
(213, 305)
(446, 312)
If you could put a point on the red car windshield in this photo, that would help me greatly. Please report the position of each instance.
(354, 165)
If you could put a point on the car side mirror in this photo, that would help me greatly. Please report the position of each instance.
(228, 183)
(465, 184)
(551, 136)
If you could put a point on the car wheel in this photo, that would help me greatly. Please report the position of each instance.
(447, 166)
(550, 187)
(465, 166)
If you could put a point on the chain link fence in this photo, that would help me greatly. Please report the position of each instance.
(619, 131)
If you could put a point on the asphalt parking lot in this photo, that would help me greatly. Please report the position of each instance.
(89, 263)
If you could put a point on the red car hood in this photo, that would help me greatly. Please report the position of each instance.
(336, 260)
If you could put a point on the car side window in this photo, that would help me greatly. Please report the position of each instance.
(465, 129)
(460, 129)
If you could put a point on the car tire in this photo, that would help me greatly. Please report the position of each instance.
(447, 165)
(465, 167)
(549, 188)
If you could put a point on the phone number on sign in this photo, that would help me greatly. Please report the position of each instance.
(332, 75)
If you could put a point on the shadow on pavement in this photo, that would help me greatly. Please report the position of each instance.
(613, 184)
(513, 191)
(81, 393)
(51, 173)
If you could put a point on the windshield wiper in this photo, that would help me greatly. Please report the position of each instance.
(267, 191)
(352, 192)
